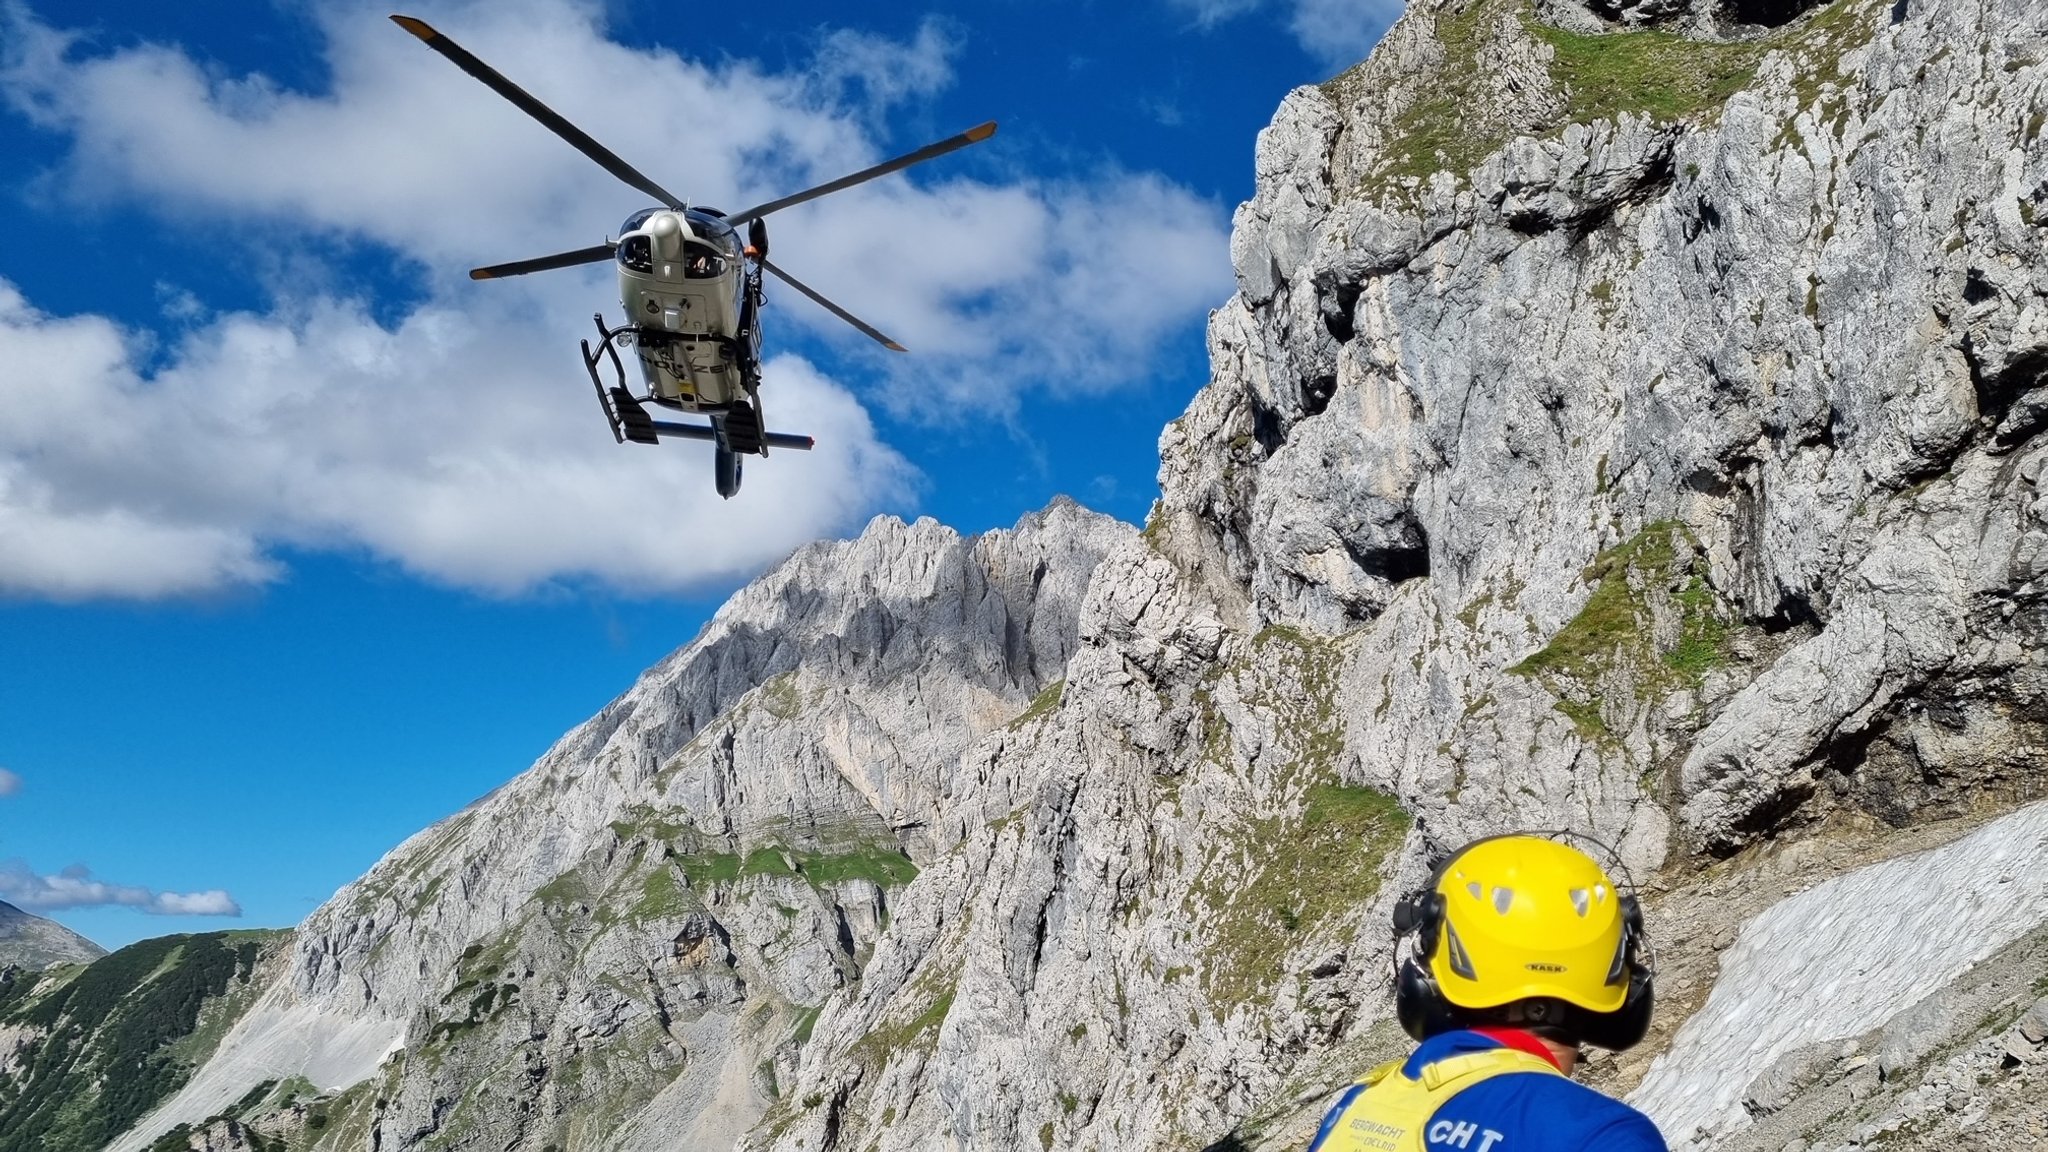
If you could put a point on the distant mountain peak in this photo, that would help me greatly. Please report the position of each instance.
(29, 941)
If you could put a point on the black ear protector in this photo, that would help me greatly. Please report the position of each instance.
(1423, 1010)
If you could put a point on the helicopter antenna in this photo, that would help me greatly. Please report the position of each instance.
(549, 118)
(973, 135)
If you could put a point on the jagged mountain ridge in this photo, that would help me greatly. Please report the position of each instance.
(32, 942)
(1644, 449)
(899, 648)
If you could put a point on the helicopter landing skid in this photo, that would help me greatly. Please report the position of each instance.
(628, 420)
(736, 430)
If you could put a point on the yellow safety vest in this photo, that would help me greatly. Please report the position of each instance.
(1392, 1113)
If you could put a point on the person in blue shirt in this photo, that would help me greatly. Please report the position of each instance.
(1521, 949)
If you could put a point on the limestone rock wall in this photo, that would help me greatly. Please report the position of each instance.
(1654, 464)
(1625, 423)
(616, 946)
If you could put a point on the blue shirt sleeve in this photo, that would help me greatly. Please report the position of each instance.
(1330, 1117)
(1630, 1132)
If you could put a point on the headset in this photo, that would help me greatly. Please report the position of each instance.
(1423, 1010)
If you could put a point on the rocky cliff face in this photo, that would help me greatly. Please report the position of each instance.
(32, 942)
(626, 945)
(1626, 422)
(1619, 432)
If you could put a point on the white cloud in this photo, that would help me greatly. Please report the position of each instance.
(463, 446)
(1069, 286)
(179, 304)
(1209, 12)
(1337, 32)
(887, 71)
(460, 441)
(1342, 32)
(10, 784)
(75, 887)
(408, 151)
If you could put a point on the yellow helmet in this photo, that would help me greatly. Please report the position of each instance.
(1524, 920)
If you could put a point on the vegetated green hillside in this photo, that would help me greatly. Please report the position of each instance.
(113, 1039)
(1644, 72)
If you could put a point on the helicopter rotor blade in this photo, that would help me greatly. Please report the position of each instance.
(548, 117)
(589, 255)
(834, 309)
(973, 135)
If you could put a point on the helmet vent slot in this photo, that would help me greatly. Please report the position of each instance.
(1461, 962)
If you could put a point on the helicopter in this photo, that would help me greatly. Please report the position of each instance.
(691, 289)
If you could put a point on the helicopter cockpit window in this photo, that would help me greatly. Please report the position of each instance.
(634, 221)
(636, 254)
(718, 234)
(701, 262)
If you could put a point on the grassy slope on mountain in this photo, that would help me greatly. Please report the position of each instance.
(115, 1038)
(1651, 73)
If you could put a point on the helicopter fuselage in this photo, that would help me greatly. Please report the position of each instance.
(691, 290)
(692, 298)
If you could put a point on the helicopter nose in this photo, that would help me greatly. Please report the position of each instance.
(667, 230)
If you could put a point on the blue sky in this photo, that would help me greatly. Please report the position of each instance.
(306, 540)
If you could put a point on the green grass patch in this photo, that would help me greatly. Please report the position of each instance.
(1660, 75)
(1269, 881)
(1615, 616)
(661, 898)
(885, 867)
(768, 861)
(879, 863)
(643, 823)
(710, 868)
(780, 697)
(564, 890)
(1703, 640)
(1608, 648)
(1648, 73)
(426, 896)
(806, 1020)
(1044, 704)
(919, 1033)
(1312, 730)
(1437, 133)
(1283, 878)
